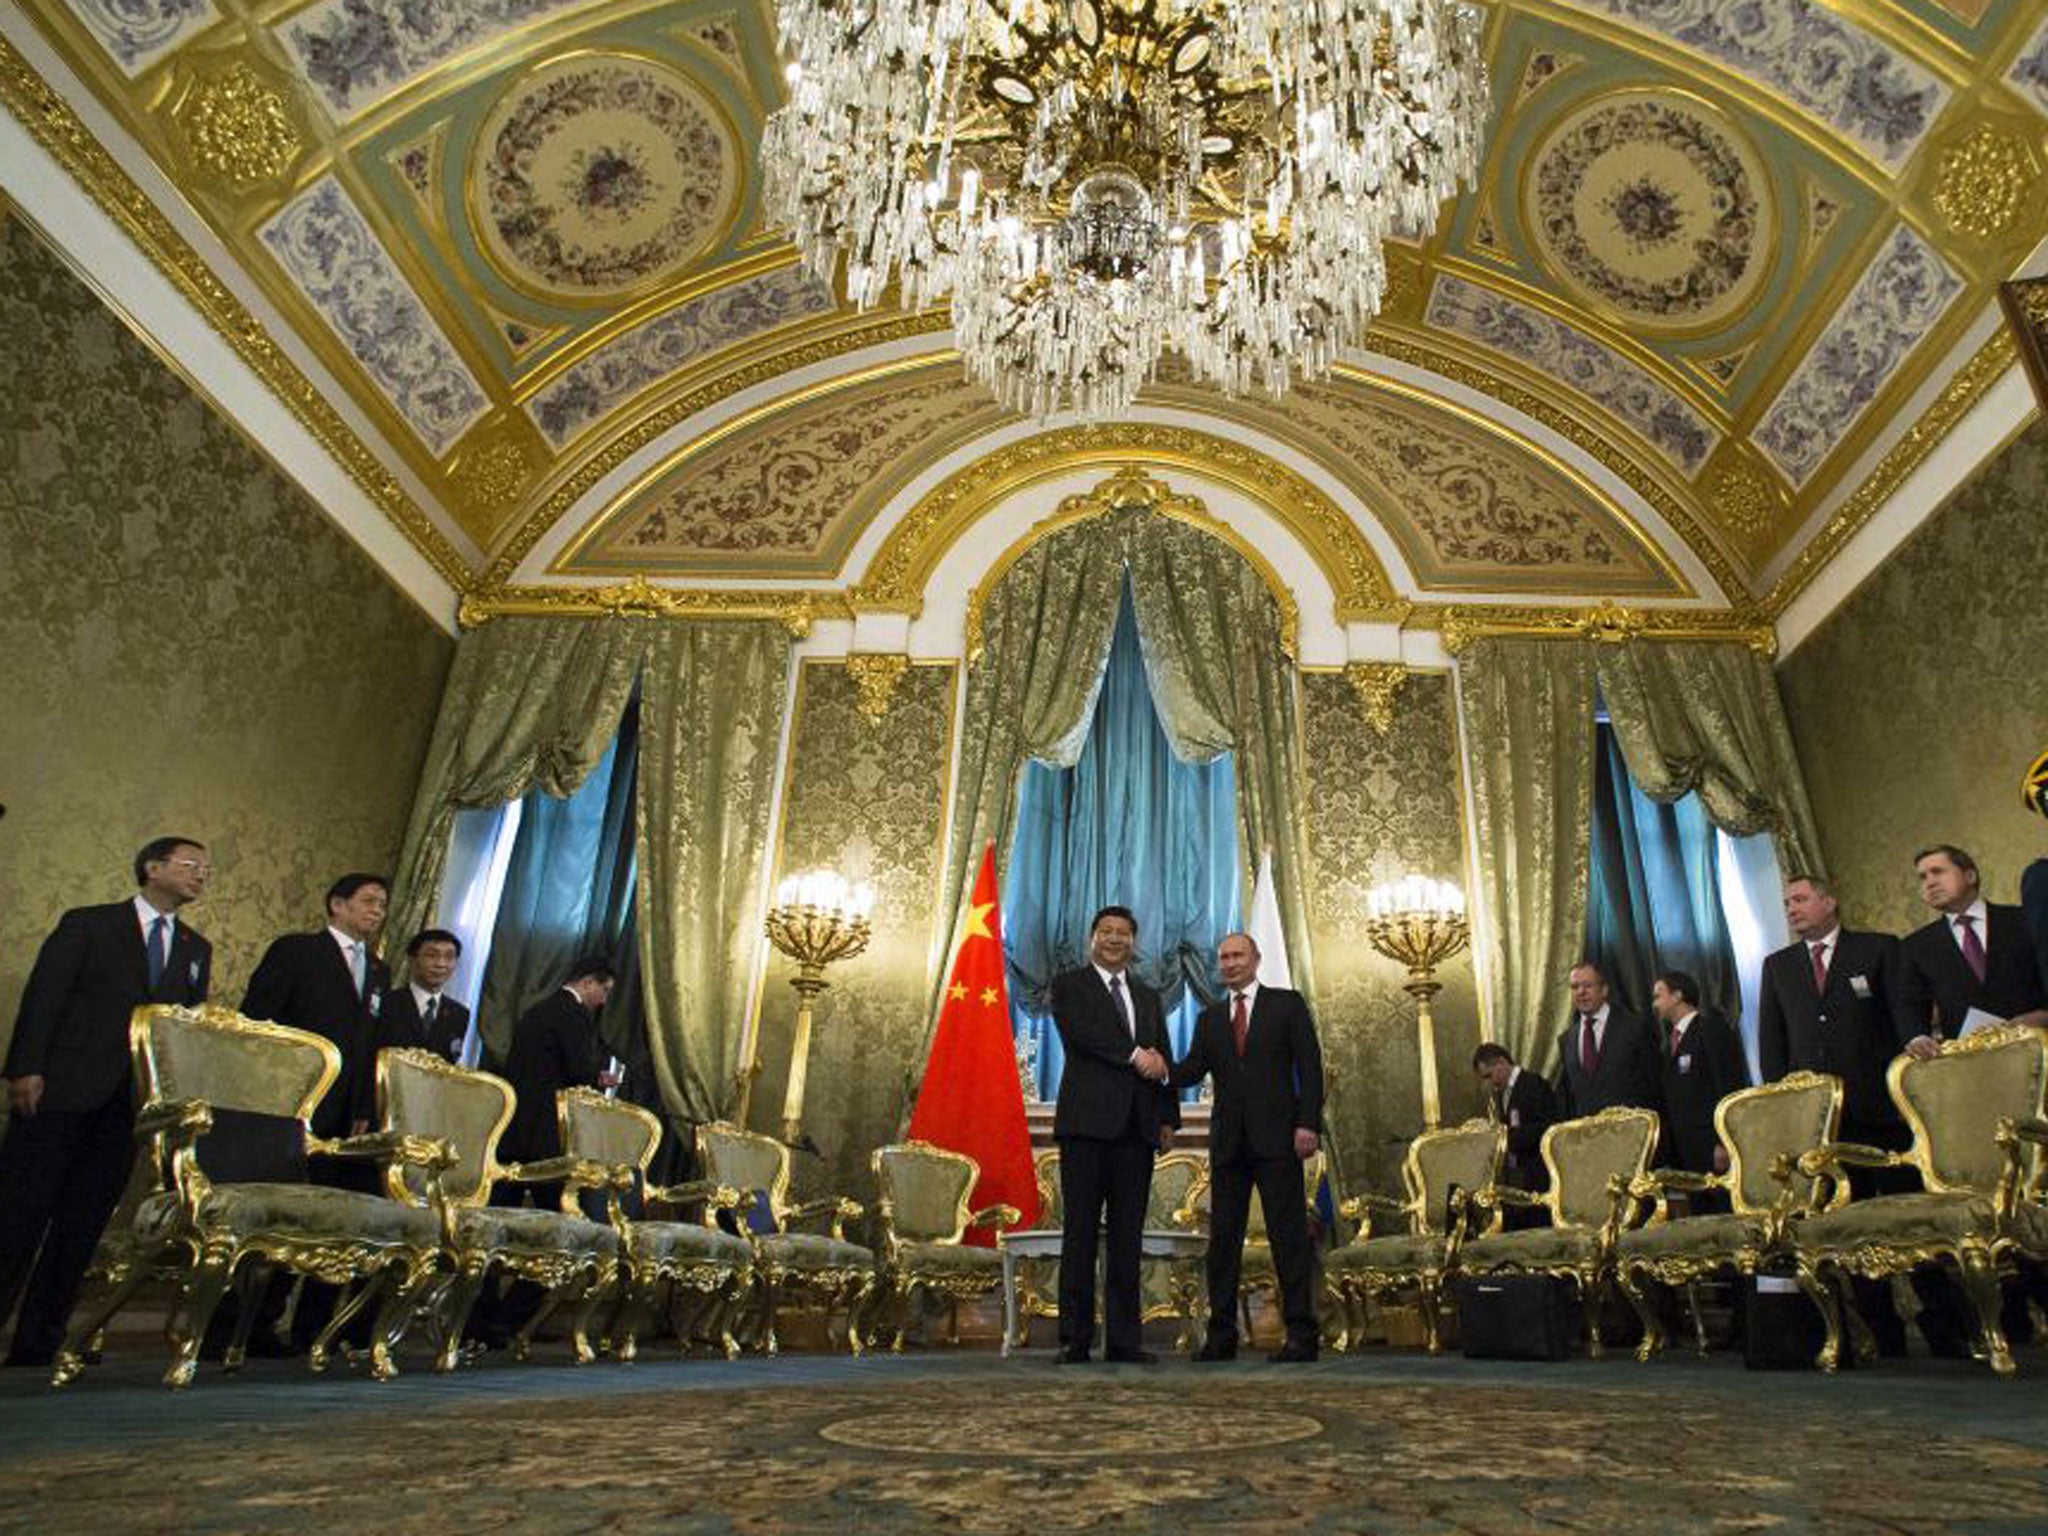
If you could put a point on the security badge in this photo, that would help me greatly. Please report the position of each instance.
(192, 974)
(1684, 1064)
(376, 1002)
(1860, 985)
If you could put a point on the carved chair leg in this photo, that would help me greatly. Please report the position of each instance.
(1633, 1287)
(252, 1281)
(204, 1288)
(1699, 1319)
(1822, 1295)
(1591, 1295)
(1980, 1284)
(456, 1305)
(583, 1304)
(1861, 1339)
(376, 1287)
(410, 1284)
(1431, 1296)
(91, 1317)
(726, 1310)
(858, 1293)
(522, 1341)
(771, 1296)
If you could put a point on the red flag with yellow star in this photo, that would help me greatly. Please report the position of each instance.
(972, 1099)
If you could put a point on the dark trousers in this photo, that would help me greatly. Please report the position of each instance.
(1094, 1174)
(61, 1175)
(1282, 1198)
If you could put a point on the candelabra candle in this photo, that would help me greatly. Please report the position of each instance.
(1420, 924)
(817, 919)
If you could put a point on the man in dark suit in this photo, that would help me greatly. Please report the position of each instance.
(329, 983)
(1525, 1104)
(418, 1015)
(71, 1136)
(1702, 1064)
(2034, 879)
(1825, 1005)
(1259, 1045)
(1608, 1055)
(1114, 1112)
(1972, 956)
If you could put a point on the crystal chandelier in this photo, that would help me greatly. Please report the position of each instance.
(1088, 182)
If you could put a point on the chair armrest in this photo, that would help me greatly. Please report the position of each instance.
(1823, 1161)
(709, 1192)
(399, 1146)
(1659, 1184)
(579, 1172)
(996, 1216)
(2011, 1135)
(1492, 1197)
(177, 1120)
(838, 1207)
(2035, 1131)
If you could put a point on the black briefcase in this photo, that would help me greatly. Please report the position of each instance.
(1782, 1330)
(1516, 1317)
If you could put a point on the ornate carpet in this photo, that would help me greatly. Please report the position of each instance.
(1046, 1453)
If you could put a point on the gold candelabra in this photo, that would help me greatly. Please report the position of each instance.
(817, 919)
(1420, 924)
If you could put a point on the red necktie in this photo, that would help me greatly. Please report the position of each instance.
(1973, 949)
(1240, 1024)
(1820, 966)
(1677, 1034)
(1589, 1052)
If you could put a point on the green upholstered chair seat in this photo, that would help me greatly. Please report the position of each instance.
(1531, 1248)
(1397, 1250)
(684, 1242)
(295, 1210)
(951, 1259)
(812, 1251)
(529, 1230)
(1689, 1237)
(1915, 1219)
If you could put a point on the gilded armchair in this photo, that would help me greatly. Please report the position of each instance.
(1588, 1207)
(208, 1071)
(1038, 1278)
(925, 1217)
(1766, 1131)
(574, 1260)
(1173, 1285)
(1423, 1257)
(1976, 1111)
(702, 1270)
(806, 1268)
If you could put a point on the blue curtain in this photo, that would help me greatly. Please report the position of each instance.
(1655, 897)
(1131, 824)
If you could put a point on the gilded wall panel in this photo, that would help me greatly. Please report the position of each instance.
(187, 644)
(866, 798)
(1381, 807)
(1919, 703)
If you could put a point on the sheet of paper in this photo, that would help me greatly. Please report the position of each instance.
(1977, 1019)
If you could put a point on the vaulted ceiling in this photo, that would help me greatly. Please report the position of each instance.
(1729, 274)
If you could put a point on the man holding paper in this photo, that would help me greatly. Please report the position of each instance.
(1973, 965)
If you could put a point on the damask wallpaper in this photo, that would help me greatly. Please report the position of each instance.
(867, 798)
(187, 644)
(1919, 703)
(1381, 807)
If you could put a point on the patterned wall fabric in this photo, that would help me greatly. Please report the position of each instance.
(1381, 807)
(1919, 703)
(868, 799)
(190, 645)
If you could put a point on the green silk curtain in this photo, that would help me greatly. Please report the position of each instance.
(1220, 680)
(1688, 715)
(1528, 719)
(535, 703)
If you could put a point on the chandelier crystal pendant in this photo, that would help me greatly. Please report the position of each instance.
(1089, 182)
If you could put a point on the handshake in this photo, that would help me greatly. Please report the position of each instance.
(1150, 1065)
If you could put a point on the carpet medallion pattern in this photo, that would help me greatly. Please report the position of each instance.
(992, 1456)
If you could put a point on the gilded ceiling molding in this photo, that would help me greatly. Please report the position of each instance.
(51, 122)
(1984, 181)
(1376, 683)
(1132, 486)
(637, 435)
(1962, 392)
(1682, 515)
(896, 578)
(639, 598)
(238, 128)
(1461, 623)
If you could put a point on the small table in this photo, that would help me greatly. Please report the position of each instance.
(1044, 1243)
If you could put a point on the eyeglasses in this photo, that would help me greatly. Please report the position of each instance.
(197, 866)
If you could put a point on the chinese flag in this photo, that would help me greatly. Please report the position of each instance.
(972, 1100)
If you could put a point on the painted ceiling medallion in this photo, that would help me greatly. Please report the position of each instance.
(1654, 206)
(597, 175)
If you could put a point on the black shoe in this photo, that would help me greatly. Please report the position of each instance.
(1071, 1354)
(1131, 1357)
(1293, 1352)
(1217, 1349)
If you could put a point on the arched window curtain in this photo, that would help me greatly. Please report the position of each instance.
(1654, 891)
(1130, 823)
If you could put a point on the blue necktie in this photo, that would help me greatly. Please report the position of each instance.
(159, 951)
